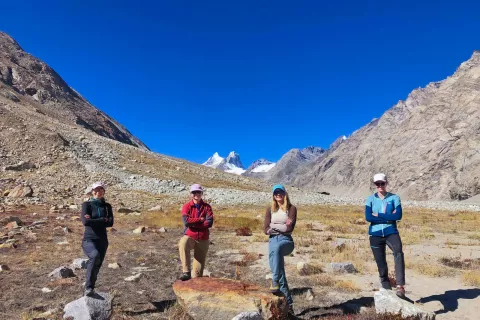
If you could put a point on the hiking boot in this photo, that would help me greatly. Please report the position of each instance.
(290, 310)
(185, 276)
(89, 292)
(386, 285)
(400, 292)
(274, 288)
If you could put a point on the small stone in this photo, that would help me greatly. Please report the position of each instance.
(342, 267)
(63, 243)
(309, 295)
(8, 246)
(134, 278)
(162, 230)
(79, 263)
(60, 218)
(35, 214)
(268, 276)
(73, 207)
(114, 265)
(302, 267)
(7, 220)
(4, 267)
(139, 230)
(12, 225)
(156, 208)
(124, 210)
(62, 272)
(46, 290)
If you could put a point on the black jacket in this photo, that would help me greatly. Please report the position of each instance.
(101, 217)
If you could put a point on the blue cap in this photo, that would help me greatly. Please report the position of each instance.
(278, 186)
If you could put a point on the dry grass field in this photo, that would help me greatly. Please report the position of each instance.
(442, 254)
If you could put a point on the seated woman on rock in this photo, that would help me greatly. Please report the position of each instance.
(280, 219)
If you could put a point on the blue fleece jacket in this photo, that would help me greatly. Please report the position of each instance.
(388, 211)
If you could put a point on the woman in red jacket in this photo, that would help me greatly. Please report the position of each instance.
(197, 218)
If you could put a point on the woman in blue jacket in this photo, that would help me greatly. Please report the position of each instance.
(383, 209)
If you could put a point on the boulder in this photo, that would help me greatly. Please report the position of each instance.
(20, 192)
(62, 272)
(386, 301)
(342, 267)
(213, 298)
(124, 210)
(79, 263)
(98, 307)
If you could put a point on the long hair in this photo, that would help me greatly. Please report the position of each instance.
(285, 206)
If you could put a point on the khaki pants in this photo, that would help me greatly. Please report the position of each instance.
(200, 249)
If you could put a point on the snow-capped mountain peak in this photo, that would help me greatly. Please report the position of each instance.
(261, 165)
(231, 164)
(214, 161)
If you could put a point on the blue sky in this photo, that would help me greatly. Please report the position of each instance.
(259, 77)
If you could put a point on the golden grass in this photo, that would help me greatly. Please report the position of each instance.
(346, 285)
(471, 278)
(431, 269)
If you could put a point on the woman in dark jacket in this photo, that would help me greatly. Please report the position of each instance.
(96, 216)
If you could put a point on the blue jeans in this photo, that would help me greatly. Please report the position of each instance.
(278, 247)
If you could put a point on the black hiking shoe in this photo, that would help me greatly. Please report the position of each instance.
(89, 292)
(185, 276)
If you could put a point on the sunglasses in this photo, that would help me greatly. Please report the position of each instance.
(379, 184)
(281, 194)
(196, 192)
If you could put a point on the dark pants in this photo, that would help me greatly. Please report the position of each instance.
(378, 245)
(95, 251)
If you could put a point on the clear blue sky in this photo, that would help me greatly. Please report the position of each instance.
(259, 77)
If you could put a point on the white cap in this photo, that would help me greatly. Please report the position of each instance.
(196, 187)
(97, 185)
(379, 177)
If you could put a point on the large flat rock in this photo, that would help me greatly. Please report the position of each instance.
(220, 299)
(386, 301)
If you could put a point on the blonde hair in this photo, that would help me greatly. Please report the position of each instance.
(285, 206)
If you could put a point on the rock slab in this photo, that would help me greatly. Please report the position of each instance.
(386, 301)
(219, 299)
(98, 307)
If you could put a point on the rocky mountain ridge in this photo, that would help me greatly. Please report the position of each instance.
(427, 145)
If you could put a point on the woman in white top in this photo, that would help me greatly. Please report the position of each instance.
(279, 223)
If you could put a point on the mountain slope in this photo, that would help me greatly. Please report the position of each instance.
(27, 76)
(45, 146)
(427, 145)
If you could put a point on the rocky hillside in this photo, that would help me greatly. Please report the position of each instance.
(24, 75)
(290, 164)
(54, 144)
(428, 145)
